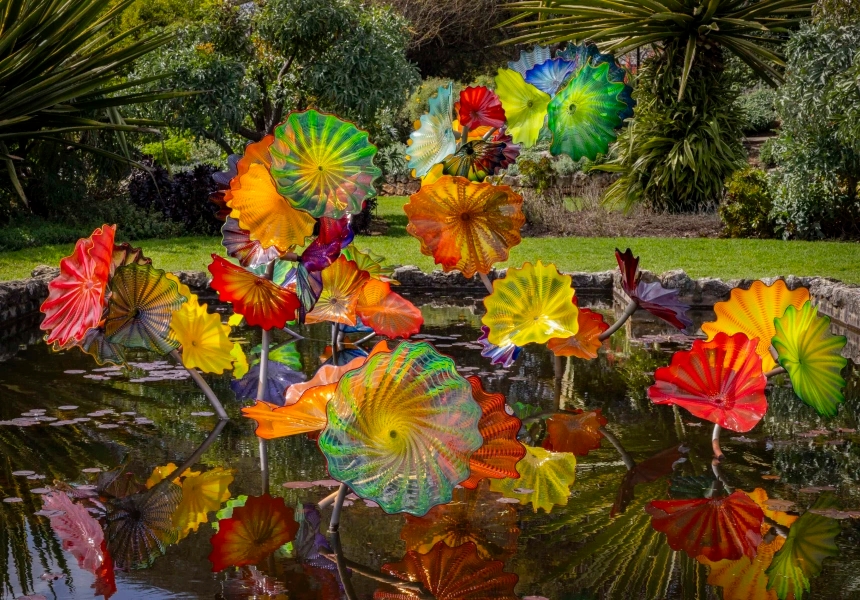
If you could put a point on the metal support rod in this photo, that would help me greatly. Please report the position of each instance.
(715, 443)
(365, 338)
(342, 570)
(375, 575)
(295, 335)
(774, 371)
(487, 283)
(195, 456)
(334, 331)
(334, 522)
(264, 347)
(264, 464)
(201, 383)
(328, 500)
(464, 136)
(490, 133)
(628, 312)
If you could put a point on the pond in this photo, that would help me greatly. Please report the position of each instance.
(65, 422)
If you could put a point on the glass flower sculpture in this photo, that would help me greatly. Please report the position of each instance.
(811, 355)
(76, 297)
(544, 482)
(585, 113)
(260, 209)
(142, 302)
(386, 312)
(716, 528)
(500, 451)
(504, 354)
(256, 298)
(254, 531)
(653, 297)
(525, 106)
(451, 574)
(476, 160)
(531, 304)
(577, 432)
(342, 282)
(753, 312)
(465, 226)
(401, 429)
(278, 378)
(529, 58)
(586, 342)
(239, 245)
(305, 416)
(550, 75)
(372, 263)
(140, 526)
(204, 340)
(323, 165)
(720, 381)
(480, 107)
(433, 138)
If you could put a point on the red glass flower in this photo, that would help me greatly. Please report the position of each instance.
(498, 456)
(254, 531)
(259, 300)
(480, 106)
(76, 297)
(720, 381)
(716, 528)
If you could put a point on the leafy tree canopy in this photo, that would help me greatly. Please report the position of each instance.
(258, 61)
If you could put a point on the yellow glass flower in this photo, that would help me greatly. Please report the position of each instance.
(531, 304)
(240, 361)
(205, 340)
(544, 481)
(342, 282)
(525, 106)
(753, 311)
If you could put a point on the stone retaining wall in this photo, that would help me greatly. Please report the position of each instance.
(20, 300)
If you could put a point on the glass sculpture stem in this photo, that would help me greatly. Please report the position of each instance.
(775, 371)
(195, 456)
(342, 570)
(715, 442)
(366, 338)
(490, 133)
(616, 443)
(464, 136)
(264, 464)
(487, 283)
(334, 523)
(328, 500)
(334, 331)
(295, 335)
(201, 383)
(264, 347)
(364, 571)
(628, 312)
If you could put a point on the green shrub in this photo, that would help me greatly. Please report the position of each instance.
(31, 231)
(757, 107)
(134, 222)
(392, 160)
(675, 155)
(746, 208)
(766, 153)
(537, 174)
(815, 185)
(176, 151)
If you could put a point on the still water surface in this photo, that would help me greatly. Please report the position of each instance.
(601, 544)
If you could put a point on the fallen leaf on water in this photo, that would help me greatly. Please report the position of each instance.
(816, 489)
(771, 477)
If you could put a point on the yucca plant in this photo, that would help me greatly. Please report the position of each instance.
(749, 29)
(61, 69)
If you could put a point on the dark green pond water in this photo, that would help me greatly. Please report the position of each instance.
(575, 551)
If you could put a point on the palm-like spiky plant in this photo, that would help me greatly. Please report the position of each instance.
(744, 27)
(60, 73)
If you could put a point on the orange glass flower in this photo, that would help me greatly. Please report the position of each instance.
(498, 456)
(261, 210)
(76, 297)
(465, 226)
(577, 432)
(260, 301)
(450, 574)
(386, 312)
(305, 416)
(342, 282)
(720, 381)
(585, 343)
(254, 531)
(752, 313)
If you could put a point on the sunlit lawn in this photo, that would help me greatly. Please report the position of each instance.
(725, 259)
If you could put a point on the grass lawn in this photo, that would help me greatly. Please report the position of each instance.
(726, 259)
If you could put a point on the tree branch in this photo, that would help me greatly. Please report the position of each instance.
(254, 136)
(222, 143)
